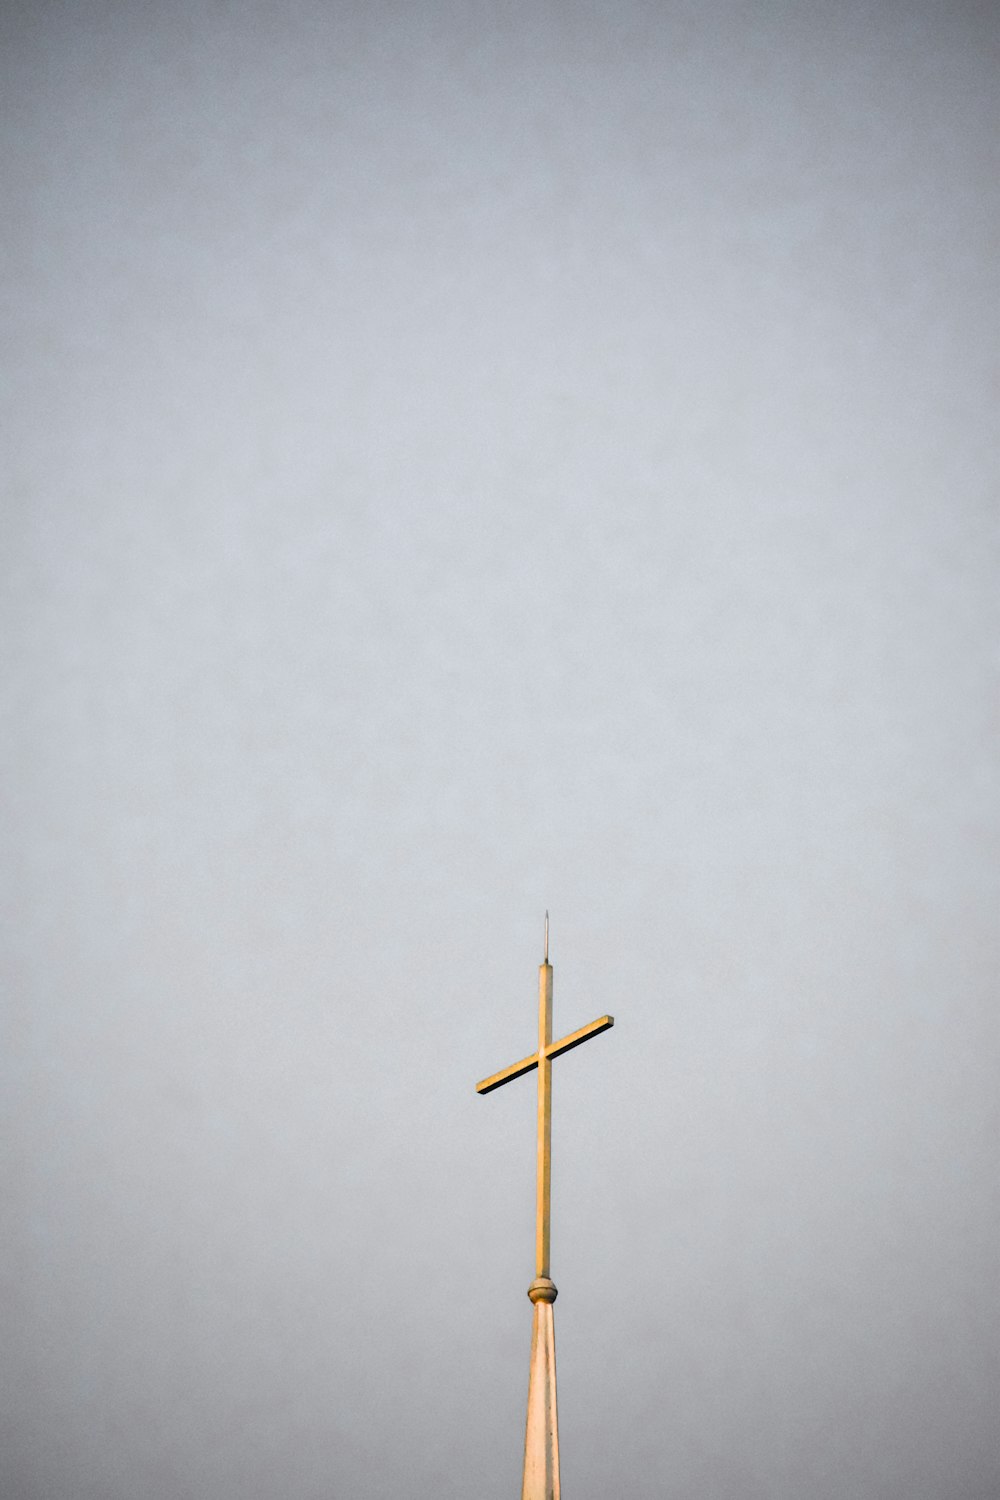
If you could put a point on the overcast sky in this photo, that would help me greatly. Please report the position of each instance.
(463, 459)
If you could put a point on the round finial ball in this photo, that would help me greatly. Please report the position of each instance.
(542, 1290)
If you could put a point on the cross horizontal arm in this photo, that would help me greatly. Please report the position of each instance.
(556, 1049)
(514, 1071)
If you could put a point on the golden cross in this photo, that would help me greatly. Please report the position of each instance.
(542, 1060)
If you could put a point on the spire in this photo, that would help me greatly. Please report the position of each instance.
(541, 1438)
(541, 1435)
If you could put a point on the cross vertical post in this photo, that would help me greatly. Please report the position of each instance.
(543, 1185)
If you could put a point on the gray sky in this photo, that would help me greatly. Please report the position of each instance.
(465, 459)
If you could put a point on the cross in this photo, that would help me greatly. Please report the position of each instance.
(542, 1060)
